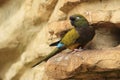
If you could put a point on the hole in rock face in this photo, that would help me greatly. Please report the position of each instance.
(107, 35)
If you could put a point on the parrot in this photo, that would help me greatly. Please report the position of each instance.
(78, 36)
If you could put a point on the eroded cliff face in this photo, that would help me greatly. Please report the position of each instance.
(27, 27)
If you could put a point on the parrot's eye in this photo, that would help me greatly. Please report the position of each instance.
(77, 18)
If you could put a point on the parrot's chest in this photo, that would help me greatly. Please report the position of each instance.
(70, 38)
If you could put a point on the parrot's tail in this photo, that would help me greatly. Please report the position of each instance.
(54, 52)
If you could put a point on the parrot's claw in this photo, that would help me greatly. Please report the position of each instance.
(77, 50)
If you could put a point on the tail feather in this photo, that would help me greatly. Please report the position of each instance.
(54, 52)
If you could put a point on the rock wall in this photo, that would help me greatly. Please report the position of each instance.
(27, 27)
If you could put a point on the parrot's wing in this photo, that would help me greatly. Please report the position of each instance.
(61, 34)
(54, 44)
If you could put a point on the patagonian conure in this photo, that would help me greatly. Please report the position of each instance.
(78, 36)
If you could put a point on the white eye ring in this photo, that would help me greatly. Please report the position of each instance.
(77, 18)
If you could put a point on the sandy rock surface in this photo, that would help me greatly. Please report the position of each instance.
(27, 27)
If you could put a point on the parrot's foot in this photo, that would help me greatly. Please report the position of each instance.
(77, 50)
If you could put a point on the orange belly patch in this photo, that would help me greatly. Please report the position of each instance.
(74, 46)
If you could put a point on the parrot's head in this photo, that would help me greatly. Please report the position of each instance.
(78, 20)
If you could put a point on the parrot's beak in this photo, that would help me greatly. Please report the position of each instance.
(72, 18)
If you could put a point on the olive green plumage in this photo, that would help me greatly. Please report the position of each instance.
(56, 50)
(70, 37)
(78, 36)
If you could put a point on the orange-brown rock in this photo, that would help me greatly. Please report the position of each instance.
(87, 64)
